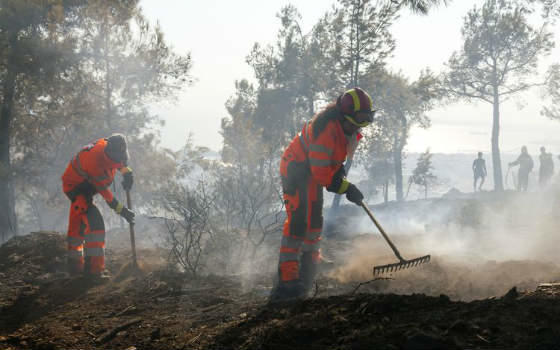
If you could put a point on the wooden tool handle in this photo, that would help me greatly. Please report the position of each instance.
(132, 235)
(370, 214)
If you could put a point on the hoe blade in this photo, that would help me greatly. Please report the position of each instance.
(403, 264)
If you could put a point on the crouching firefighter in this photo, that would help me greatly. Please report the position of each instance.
(313, 160)
(92, 171)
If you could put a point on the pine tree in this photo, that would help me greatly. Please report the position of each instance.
(499, 59)
(36, 47)
(422, 174)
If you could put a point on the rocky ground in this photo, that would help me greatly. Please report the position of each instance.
(159, 309)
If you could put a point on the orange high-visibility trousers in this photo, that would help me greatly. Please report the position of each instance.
(86, 237)
(303, 198)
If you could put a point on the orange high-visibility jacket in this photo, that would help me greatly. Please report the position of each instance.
(91, 164)
(325, 154)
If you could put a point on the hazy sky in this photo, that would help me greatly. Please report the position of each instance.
(220, 34)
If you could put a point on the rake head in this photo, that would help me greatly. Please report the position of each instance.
(403, 264)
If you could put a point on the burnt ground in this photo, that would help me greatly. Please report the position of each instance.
(162, 309)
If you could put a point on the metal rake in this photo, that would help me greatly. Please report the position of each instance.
(403, 263)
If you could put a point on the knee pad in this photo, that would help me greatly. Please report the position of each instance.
(95, 219)
(80, 205)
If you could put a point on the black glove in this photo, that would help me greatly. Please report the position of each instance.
(354, 195)
(128, 215)
(128, 180)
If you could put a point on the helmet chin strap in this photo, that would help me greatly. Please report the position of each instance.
(354, 122)
(349, 129)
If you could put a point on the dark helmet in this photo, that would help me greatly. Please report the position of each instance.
(116, 149)
(353, 101)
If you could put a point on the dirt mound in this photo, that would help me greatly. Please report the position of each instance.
(158, 308)
(28, 261)
(154, 308)
(401, 322)
(456, 280)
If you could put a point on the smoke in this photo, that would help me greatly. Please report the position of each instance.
(481, 245)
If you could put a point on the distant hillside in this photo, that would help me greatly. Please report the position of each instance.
(454, 171)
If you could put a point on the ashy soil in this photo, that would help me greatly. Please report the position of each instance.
(156, 308)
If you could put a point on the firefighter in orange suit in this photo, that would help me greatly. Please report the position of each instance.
(92, 171)
(313, 160)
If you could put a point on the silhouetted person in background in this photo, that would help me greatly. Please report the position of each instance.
(525, 163)
(546, 169)
(479, 171)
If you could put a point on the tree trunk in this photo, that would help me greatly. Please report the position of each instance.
(408, 189)
(358, 58)
(426, 192)
(108, 85)
(8, 223)
(36, 208)
(108, 95)
(399, 142)
(397, 159)
(496, 161)
(335, 202)
(352, 56)
(386, 192)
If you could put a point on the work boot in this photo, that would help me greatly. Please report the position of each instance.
(74, 267)
(287, 291)
(308, 271)
(97, 278)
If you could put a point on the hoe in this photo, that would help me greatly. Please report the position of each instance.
(403, 263)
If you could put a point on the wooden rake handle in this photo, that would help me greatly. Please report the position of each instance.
(370, 214)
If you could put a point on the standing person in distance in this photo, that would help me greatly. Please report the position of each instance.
(479, 171)
(546, 168)
(525, 162)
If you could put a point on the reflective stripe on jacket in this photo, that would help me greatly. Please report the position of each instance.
(326, 153)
